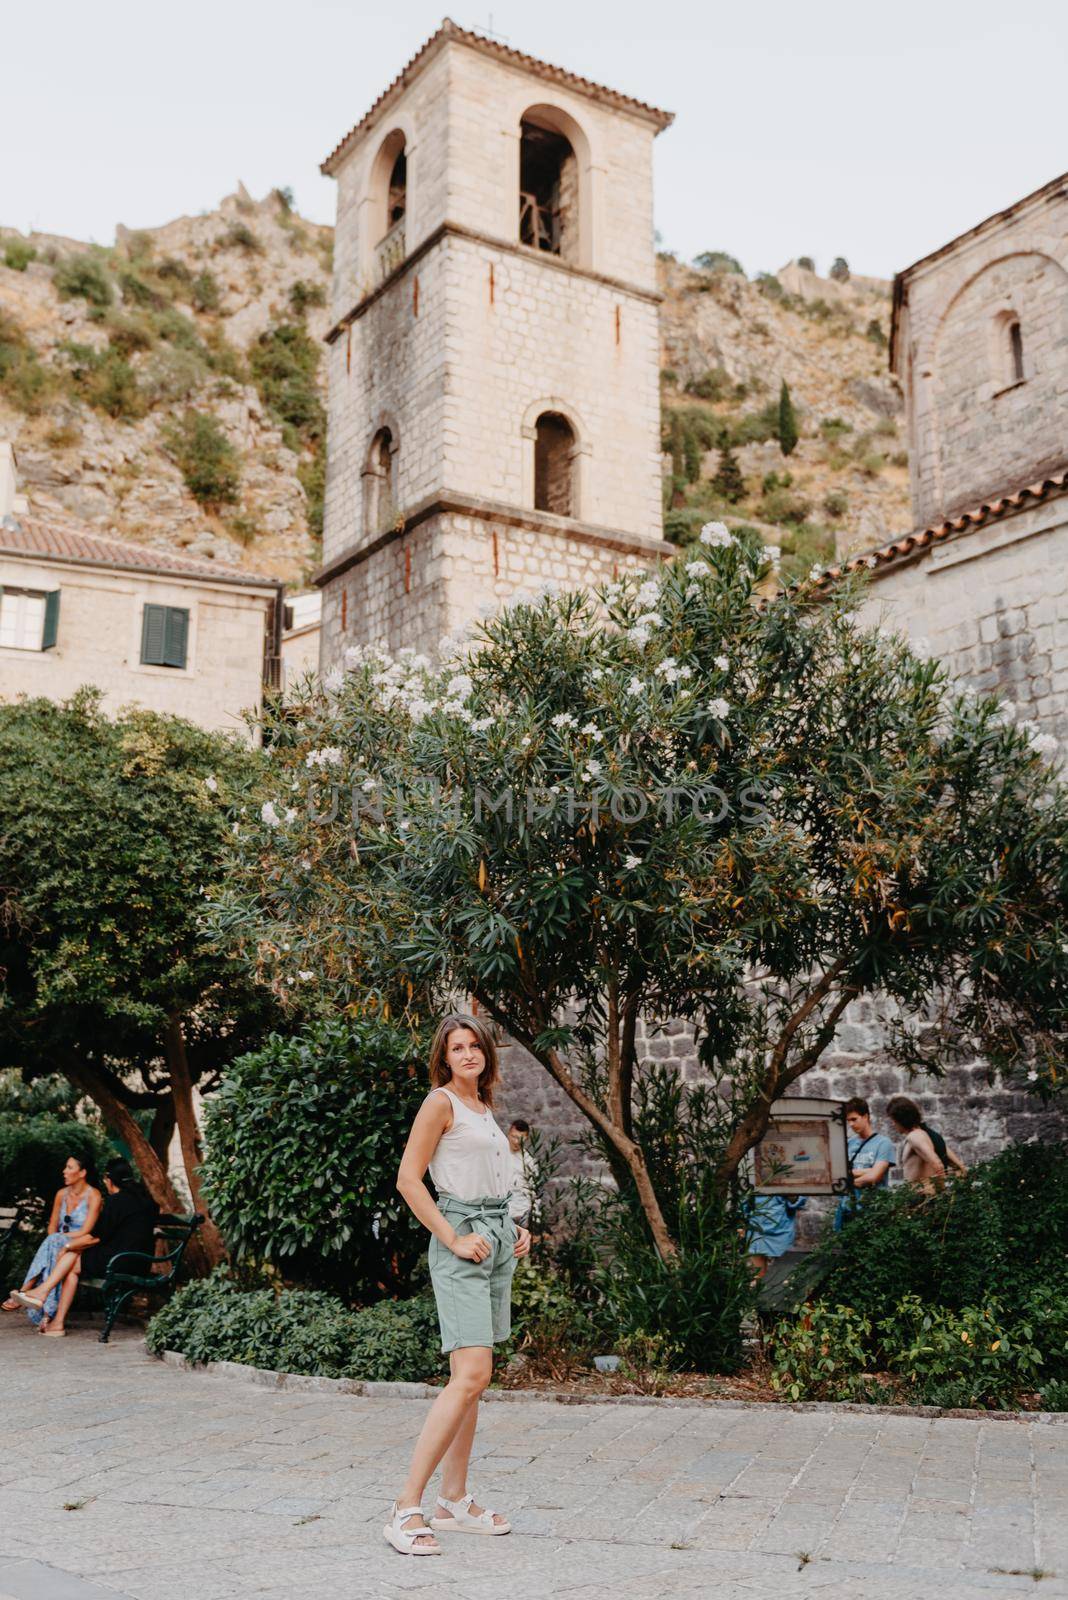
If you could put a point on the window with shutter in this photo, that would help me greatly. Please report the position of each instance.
(51, 620)
(22, 618)
(164, 636)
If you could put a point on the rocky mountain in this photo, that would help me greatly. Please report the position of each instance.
(170, 389)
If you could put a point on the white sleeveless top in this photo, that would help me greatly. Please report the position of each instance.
(471, 1161)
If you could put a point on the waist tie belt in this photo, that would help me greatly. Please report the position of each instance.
(491, 1211)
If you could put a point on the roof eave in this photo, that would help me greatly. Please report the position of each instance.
(98, 564)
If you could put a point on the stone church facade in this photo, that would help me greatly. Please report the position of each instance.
(494, 424)
(494, 357)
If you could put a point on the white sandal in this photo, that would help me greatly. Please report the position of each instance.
(404, 1539)
(462, 1521)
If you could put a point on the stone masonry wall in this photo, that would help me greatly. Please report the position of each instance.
(974, 431)
(450, 570)
(99, 642)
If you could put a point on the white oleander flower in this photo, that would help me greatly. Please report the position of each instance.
(418, 708)
(291, 815)
(698, 569)
(459, 687)
(211, 783)
(405, 825)
(333, 680)
(305, 976)
(593, 770)
(635, 686)
(525, 740)
(270, 815)
(649, 619)
(592, 730)
(330, 756)
(563, 719)
(693, 591)
(598, 672)
(235, 829)
(719, 709)
(773, 553)
(722, 664)
(369, 785)
(630, 862)
(716, 535)
(480, 724)
(1044, 744)
(815, 574)
(648, 593)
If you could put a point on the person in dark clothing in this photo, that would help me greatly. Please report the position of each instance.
(126, 1222)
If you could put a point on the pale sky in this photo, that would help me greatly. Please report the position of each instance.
(871, 130)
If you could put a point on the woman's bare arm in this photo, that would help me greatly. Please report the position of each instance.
(432, 1119)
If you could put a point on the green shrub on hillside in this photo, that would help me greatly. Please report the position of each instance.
(239, 236)
(136, 290)
(284, 362)
(312, 476)
(83, 277)
(204, 291)
(24, 381)
(208, 461)
(105, 380)
(718, 261)
(18, 253)
(303, 294)
(716, 384)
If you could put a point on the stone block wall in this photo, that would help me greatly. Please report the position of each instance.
(975, 430)
(447, 572)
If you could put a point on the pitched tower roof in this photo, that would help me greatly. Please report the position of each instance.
(450, 32)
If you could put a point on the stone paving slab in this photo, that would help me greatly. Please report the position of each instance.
(190, 1484)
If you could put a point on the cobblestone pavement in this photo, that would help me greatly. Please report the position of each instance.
(124, 1477)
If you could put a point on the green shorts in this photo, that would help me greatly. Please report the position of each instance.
(474, 1298)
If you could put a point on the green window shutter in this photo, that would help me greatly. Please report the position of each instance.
(51, 620)
(176, 634)
(153, 630)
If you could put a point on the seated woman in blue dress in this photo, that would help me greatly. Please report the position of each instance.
(75, 1209)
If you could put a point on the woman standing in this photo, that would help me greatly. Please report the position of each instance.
(74, 1211)
(473, 1253)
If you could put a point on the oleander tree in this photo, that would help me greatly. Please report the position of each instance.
(112, 832)
(696, 795)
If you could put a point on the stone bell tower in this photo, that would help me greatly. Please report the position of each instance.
(494, 360)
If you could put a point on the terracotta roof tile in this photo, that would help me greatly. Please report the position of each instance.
(63, 540)
(911, 544)
(502, 52)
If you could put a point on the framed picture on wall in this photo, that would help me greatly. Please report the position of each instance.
(803, 1150)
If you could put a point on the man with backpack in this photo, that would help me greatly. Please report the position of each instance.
(871, 1155)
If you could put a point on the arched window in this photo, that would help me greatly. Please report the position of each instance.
(388, 196)
(1015, 352)
(554, 465)
(379, 492)
(548, 189)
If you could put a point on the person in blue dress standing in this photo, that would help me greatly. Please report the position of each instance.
(74, 1210)
(871, 1155)
(770, 1227)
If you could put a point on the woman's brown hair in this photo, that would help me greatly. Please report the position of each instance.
(905, 1112)
(440, 1073)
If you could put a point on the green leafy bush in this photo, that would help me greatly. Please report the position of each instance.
(208, 461)
(304, 1138)
(33, 1150)
(284, 362)
(299, 1330)
(18, 253)
(105, 380)
(784, 505)
(821, 1354)
(83, 277)
(715, 384)
(718, 261)
(24, 381)
(303, 294)
(997, 1233)
(239, 236)
(136, 290)
(836, 503)
(204, 292)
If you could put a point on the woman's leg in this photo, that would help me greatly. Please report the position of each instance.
(66, 1263)
(66, 1294)
(455, 1407)
(454, 1466)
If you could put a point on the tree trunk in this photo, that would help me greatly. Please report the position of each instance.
(161, 1132)
(121, 1121)
(630, 1152)
(209, 1237)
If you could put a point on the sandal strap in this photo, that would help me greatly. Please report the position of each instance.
(455, 1505)
(409, 1511)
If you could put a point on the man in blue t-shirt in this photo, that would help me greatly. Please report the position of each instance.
(871, 1155)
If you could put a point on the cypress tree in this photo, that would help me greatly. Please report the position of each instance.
(788, 434)
(728, 481)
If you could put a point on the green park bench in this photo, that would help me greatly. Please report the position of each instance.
(135, 1272)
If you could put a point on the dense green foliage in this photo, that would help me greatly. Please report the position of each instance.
(858, 826)
(301, 1331)
(718, 261)
(284, 362)
(18, 253)
(24, 380)
(729, 481)
(983, 1354)
(304, 1138)
(208, 461)
(113, 829)
(997, 1232)
(84, 277)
